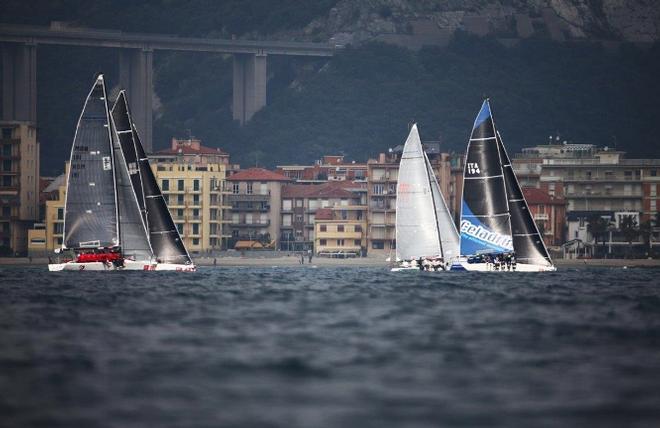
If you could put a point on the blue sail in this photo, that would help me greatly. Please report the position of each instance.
(485, 218)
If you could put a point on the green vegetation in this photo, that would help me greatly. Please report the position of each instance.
(361, 102)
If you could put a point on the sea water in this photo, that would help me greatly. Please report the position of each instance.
(329, 347)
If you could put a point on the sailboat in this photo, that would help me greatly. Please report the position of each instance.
(115, 216)
(424, 228)
(498, 232)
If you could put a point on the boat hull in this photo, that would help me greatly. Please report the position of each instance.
(128, 265)
(520, 267)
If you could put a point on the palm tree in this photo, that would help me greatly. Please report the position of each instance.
(628, 227)
(598, 227)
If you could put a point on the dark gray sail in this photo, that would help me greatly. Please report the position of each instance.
(527, 240)
(91, 216)
(485, 219)
(164, 238)
(132, 227)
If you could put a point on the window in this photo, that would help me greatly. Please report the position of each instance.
(340, 228)
(179, 213)
(313, 204)
(357, 242)
(196, 185)
(323, 228)
(235, 218)
(264, 188)
(6, 150)
(196, 213)
(60, 213)
(286, 220)
(654, 173)
(248, 218)
(358, 228)
(286, 205)
(179, 185)
(299, 203)
(195, 228)
(299, 218)
(6, 132)
(195, 199)
(654, 205)
(166, 198)
(179, 227)
(6, 165)
(234, 188)
(249, 188)
(195, 241)
(179, 200)
(323, 242)
(213, 214)
(377, 245)
(340, 242)
(378, 189)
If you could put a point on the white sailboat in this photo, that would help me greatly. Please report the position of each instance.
(115, 217)
(425, 232)
(498, 232)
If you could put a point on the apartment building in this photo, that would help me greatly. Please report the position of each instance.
(549, 213)
(255, 201)
(300, 202)
(19, 184)
(340, 232)
(193, 178)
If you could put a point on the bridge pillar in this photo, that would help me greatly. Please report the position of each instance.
(19, 82)
(249, 85)
(136, 77)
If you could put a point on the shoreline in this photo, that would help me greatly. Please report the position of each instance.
(350, 262)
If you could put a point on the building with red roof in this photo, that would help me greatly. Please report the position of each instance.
(549, 213)
(255, 201)
(301, 203)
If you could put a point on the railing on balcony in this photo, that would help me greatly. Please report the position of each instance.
(247, 197)
(243, 223)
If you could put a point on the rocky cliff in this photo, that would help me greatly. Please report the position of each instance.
(418, 22)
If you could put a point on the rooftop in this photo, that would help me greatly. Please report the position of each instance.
(190, 146)
(330, 189)
(257, 174)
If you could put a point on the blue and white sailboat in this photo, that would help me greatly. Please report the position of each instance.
(497, 230)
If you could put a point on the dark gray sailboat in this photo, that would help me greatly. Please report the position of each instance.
(115, 216)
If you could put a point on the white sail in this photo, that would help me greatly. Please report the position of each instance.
(416, 224)
(449, 238)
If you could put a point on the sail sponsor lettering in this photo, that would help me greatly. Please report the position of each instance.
(482, 234)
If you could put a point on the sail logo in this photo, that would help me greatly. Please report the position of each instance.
(473, 168)
(132, 168)
(480, 233)
(107, 165)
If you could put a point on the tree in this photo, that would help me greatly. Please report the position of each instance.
(646, 231)
(598, 227)
(630, 230)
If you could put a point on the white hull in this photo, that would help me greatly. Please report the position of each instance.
(520, 267)
(128, 265)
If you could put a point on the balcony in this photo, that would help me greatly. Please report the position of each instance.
(236, 197)
(250, 209)
(260, 224)
(338, 235)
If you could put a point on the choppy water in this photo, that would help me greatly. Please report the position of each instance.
(326, 347)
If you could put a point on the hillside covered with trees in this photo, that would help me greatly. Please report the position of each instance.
(361, 101)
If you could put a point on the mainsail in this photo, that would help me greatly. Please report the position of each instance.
(164, 238)
(91, 198)
(133, 231)
(449, 239)
(527, 240)
(416, 221)
(485, 218)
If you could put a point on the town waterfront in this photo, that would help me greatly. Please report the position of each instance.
(329, 346)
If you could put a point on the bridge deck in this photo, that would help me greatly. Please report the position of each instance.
(119, 39)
